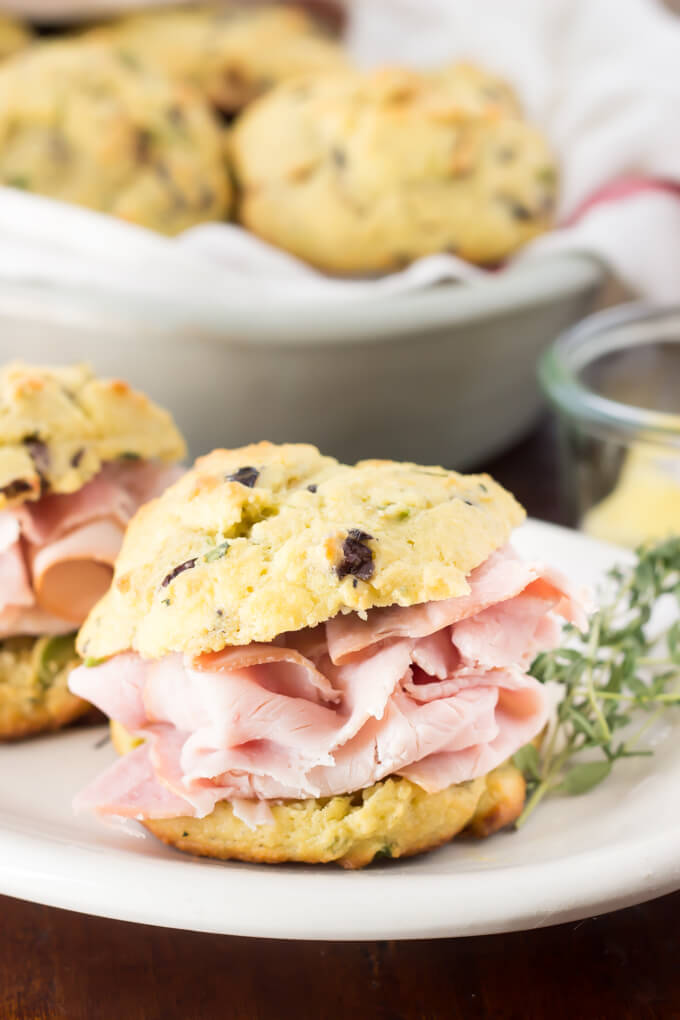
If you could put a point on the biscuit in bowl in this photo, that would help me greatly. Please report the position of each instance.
(361, 173)
(231, 54)
(82, 124)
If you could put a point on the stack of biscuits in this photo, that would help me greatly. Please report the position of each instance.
(176, 117)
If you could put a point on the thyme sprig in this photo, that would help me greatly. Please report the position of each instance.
(619, 672)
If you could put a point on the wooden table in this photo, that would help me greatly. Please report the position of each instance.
(55, 964)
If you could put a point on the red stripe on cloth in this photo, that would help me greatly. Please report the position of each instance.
(623, 188)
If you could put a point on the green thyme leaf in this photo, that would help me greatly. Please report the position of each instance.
(584, 777)
(617, 679)
(527, 761)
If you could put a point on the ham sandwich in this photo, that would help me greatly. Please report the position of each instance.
(437, 692)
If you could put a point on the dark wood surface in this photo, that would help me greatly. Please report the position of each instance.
(56, 964)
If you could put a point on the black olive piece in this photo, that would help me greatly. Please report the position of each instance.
(16, 488)
(206, 199)
(516, 209)
(59, 148)
(312, 488)
(187, 565)
(176, 116)
(245, 476)
(357, 557)
(142, 145)
(39, 452)
(77, 457)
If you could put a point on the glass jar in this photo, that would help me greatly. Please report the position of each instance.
(615, 383)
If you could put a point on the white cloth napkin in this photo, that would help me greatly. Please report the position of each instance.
(601, 77)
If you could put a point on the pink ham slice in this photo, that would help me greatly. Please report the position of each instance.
(437, 693)
(72, 573)
(501, 577)
(144, 797)
(57, 554)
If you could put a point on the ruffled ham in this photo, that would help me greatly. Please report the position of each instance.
(57, 554)
(438, 693)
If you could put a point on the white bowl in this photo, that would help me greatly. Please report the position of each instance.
(444, 375)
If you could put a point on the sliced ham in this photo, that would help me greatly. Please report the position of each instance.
(289, 672)
(18, 622)
(500, 577)
(15, 583)
(437, 693)
(71, 574)
(145, 797)
(57, 553)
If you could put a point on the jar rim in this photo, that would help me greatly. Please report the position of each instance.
(630, 325)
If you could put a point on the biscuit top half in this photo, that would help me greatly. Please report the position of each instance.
(258, 541)
(59, 425)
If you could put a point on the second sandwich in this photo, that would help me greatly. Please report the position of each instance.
(78, 457)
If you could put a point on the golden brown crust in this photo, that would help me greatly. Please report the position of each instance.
(58, 425)
(230, 54)
(365, 172)
(478, 91)
(393, 818)
(34, 697)
(80, 124)
(217, 561)
(14, 36)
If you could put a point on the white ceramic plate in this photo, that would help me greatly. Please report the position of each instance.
(614, 847)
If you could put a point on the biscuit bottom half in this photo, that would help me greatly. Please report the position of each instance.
(392, 818)
(34, 697)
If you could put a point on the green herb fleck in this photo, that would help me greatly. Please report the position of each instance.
(546, 175)
(616, 673)
(185, 834)
(19, 181)
(129, 59)
(52, 655)
(384, 851)
(91, 662)
(166, 602)
(130, 455)
(217, 553)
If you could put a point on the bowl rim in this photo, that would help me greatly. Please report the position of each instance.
(611, 329)
(387, 318)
